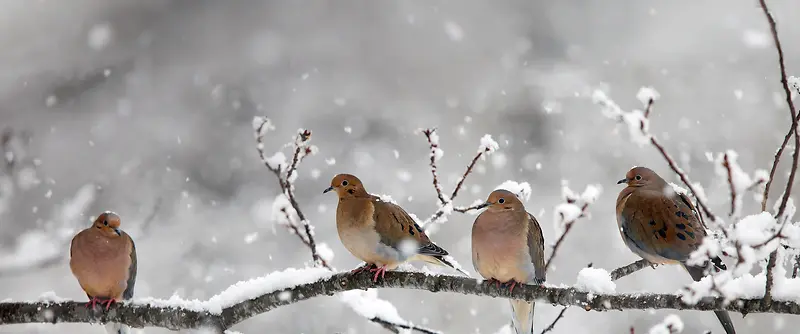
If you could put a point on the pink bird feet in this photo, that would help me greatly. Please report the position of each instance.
(379, 271)
(362, 268)
(94, 301)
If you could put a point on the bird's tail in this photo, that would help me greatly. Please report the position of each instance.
(117, 328)
(440, 261)
(723, 316)
(522, 316)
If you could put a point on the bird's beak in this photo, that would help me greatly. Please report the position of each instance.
(482, 205)
(327, 189)
(622, 181)
(117, 231)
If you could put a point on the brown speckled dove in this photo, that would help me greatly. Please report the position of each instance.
(508, 247)
(379, 233)
(662, 226)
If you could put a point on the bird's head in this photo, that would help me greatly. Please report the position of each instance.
(346, 185)
(108, 224)
(502, 200)
(640, 177)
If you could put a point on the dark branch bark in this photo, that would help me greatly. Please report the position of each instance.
(176, 318)
(629, 269)
(792, 110)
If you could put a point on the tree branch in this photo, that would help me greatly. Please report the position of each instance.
(567, 228)
(446, 203)
(793, 130)
(138, 315)
(792, 110)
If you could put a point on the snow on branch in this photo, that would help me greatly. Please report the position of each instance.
(486, 148)
(738, 181)
(772, 261)
(286, 174)
(567, 213)
(785, 83)
(248, 299)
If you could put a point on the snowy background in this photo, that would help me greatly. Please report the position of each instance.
(145, 108)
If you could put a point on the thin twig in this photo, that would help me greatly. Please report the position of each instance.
(793, 130)
(301, 150)
(445, 203)
(629, 269)
(434, 145)
(792, 111)
(726, 163)
(567, 228)
(466, 209)
(553, 324)
(395, 327)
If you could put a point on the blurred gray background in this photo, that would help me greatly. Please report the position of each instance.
(145, 108)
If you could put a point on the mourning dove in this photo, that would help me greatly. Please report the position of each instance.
(103, 259)
(379, 233)
(662, 226)
(508, 247)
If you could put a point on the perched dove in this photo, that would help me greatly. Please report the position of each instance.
(662, 226)
(103, 259)
(508, 247)
(380, 233)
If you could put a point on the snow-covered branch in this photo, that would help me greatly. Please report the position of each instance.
(567, 213)
(286, 174)
(487, 147)
(248, 299)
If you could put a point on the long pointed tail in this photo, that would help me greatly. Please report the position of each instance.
(723, 316)
(117, 328)
(522, 316)
(441, 261)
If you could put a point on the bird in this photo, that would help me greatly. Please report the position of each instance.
(380, 233)
(103, 260)
(662, 226)
(508, 248)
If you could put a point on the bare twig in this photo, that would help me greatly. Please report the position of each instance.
(629, 269)
(567, 228)
(555, 321)
(433, 141)
(793, 130)
(301, 150)
(727, 165)
(444, 202)
(395, 328)
(139, 315)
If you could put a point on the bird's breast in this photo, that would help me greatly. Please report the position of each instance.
(501, 255)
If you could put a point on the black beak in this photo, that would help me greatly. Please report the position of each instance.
(622, 181)
(482, 205)
(117, 231)
(327, 189)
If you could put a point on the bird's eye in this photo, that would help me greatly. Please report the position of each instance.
(344, 183)
(105, 222)
(638, 177)
(501, 201)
